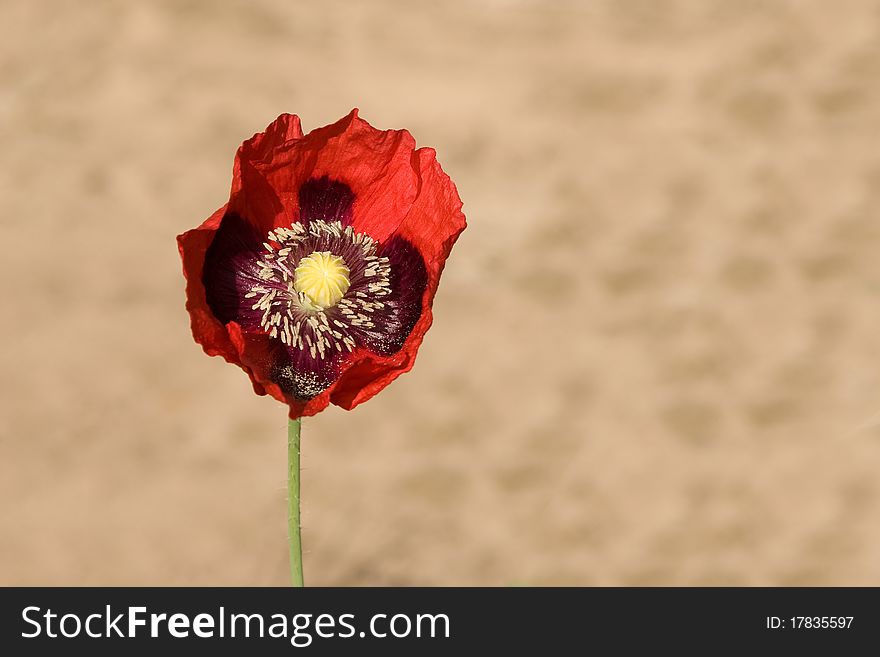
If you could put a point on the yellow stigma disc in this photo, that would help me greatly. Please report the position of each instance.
(322, 278)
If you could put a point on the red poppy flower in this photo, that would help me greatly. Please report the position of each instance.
(317, 277)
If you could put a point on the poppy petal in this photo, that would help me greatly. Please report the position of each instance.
(377, 165)
(431, 227)
(252, 195)
(206, 329)
(404, 304)
(303, 376)
(286, 128)
(325, 199)
(231, 270)
(435, 220)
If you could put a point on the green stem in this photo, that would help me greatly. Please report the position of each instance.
(295, 540)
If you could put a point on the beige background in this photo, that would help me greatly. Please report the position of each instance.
(656, 356)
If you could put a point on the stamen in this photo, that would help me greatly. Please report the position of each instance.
(318, 287)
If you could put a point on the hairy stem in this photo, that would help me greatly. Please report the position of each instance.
(294, 537)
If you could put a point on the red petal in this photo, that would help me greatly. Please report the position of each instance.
(206, 329)
(252, 195)
(286, 128)
(251, 356)
(432, 225)
(435, 220)
(377, 165)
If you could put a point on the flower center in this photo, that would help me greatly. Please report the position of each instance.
(321, 279)
(325, 303)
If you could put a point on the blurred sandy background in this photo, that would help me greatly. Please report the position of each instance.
(656, 356)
